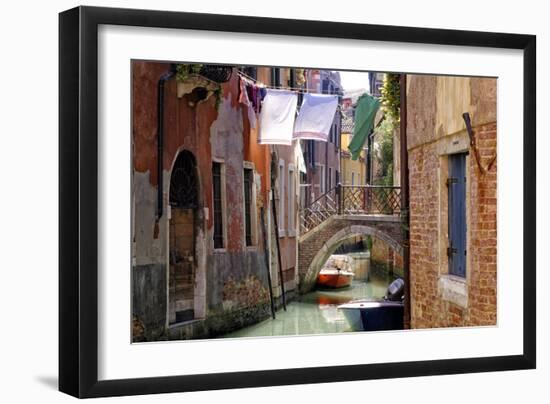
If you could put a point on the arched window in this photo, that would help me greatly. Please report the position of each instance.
(184, 183)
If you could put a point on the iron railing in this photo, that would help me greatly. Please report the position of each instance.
(351, 200)
(319, 210)
(217, 73)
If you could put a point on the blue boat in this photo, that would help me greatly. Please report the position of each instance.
(377, 315)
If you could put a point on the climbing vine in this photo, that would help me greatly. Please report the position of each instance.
(219, 97)
(391, 102)
(384, 154)
(391, 96)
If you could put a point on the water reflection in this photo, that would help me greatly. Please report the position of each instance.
(316, 312)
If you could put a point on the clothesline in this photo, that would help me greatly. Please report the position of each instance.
(279, 124)
(295, 89)
(259, 83)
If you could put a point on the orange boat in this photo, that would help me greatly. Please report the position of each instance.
(334, 278)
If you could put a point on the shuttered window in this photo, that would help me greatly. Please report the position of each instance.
(217, 182)
(248, 183)
(456, 184)
(291, 199)
(276, 76)
(281, 212)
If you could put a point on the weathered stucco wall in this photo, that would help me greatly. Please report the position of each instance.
(435, 130)
(230, 285)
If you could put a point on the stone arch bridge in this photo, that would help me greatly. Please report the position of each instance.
(341, 213)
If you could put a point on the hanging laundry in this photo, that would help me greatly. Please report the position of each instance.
(277, 117)
(244, 100)
(243, 94)
(255, 95)
(316, 116)
(300, 157)
(251, 91)
(252, 117)
(365, 112)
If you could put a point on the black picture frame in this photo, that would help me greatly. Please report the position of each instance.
(78, 200)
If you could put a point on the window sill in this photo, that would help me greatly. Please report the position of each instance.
(220, 250)
(453, 289)
(184, 323)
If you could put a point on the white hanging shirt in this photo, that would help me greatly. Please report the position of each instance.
(277, 117)
(316, 116)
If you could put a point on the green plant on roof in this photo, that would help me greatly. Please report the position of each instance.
(183, 71)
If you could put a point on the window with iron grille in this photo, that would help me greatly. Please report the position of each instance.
(291, 200)
(250, 71)
(325, 86)
(276, 76)
(311, 151)
(281, 212)
(322, 178)
(217, 182)
(248, 184)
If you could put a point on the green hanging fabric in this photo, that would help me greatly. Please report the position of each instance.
(365, 111)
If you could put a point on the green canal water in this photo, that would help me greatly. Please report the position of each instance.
(317, 312)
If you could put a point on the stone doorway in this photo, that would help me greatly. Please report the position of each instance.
(182, 261)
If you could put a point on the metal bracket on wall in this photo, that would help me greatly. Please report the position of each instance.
(471, 134)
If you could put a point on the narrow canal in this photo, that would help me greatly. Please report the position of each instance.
(317, 312)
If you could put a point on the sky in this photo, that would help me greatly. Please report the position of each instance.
(354, 80)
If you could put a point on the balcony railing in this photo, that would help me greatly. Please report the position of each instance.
(351, 200)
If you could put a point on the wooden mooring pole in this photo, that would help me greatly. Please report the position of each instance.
(266, 255)
(281, 279)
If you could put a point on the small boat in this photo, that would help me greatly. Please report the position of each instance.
(377, 315)
(334, 278)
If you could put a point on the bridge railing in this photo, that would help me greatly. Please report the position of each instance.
(319, 210)
(351, 200)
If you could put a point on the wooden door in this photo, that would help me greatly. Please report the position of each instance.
(182, 265)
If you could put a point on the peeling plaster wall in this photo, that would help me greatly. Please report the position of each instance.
(222, 277)
(287, 236)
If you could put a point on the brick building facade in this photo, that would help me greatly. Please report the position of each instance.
(441, 294)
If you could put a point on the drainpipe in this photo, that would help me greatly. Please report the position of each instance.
(160, 136)
(404, 155)
(368, 165)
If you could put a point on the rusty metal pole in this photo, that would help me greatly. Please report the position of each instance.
(404, 156)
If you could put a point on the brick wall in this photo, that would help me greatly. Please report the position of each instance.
(428, 307)
(483, 234)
